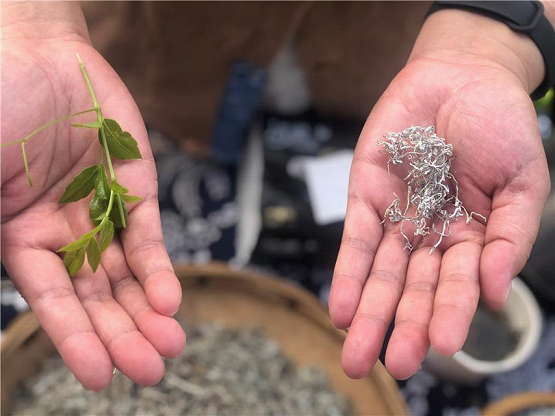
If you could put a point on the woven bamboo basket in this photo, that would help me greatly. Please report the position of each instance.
(237, 298)
(527, 402)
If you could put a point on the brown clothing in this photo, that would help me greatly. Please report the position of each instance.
(175, 56)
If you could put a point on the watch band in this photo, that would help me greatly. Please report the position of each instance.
(521, 16)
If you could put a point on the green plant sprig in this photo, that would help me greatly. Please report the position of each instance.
(107, 193)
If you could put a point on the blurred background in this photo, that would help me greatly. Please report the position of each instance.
(253, 111)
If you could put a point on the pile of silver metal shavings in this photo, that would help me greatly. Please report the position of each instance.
(222, 372)
(430, 200)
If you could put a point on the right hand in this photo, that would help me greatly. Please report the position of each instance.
(465, 78)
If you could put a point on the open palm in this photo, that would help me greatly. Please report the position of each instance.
(119, 316)
(501, 170)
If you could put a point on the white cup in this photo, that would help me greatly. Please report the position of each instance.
(522, 315)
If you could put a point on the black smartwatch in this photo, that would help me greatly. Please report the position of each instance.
(521, 16)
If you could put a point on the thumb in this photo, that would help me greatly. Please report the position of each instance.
(510, 234)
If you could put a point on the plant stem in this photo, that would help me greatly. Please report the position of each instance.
(107, 151)
(112, 178)
(44, 126)
(121, 213)
(89, 86)
(108, 209)
(38, 130)
(26, 164)
(100, 119)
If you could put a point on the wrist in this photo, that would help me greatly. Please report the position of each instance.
(460, 36)
(43, 20)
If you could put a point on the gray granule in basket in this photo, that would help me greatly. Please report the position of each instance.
(222, 372)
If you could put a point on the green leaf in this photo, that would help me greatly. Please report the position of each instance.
(77, 244)
(101, 186)
(116, 214)
(120, 143)
(112, 125)
(106, 235)
(117, 188)
(97, 208)
(80, 186)
(99, 202)
(73, 260)
(81, 241)
(93, 253)
(93, 125)
(131, 199)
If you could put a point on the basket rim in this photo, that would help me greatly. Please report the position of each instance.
(25, 326)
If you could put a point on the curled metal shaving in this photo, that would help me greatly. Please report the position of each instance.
(432, 190)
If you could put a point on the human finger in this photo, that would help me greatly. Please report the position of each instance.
(409, 342)
(41, 278)
(378, 302)
(510, 234)
(148, 259)
(361, 236)
(164, 333)
(456, 297)
(130, 352)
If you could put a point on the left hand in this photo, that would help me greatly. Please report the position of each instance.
(120, 316)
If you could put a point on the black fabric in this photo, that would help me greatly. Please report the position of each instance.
(197, 208)
(521, 16)
(291, 244)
